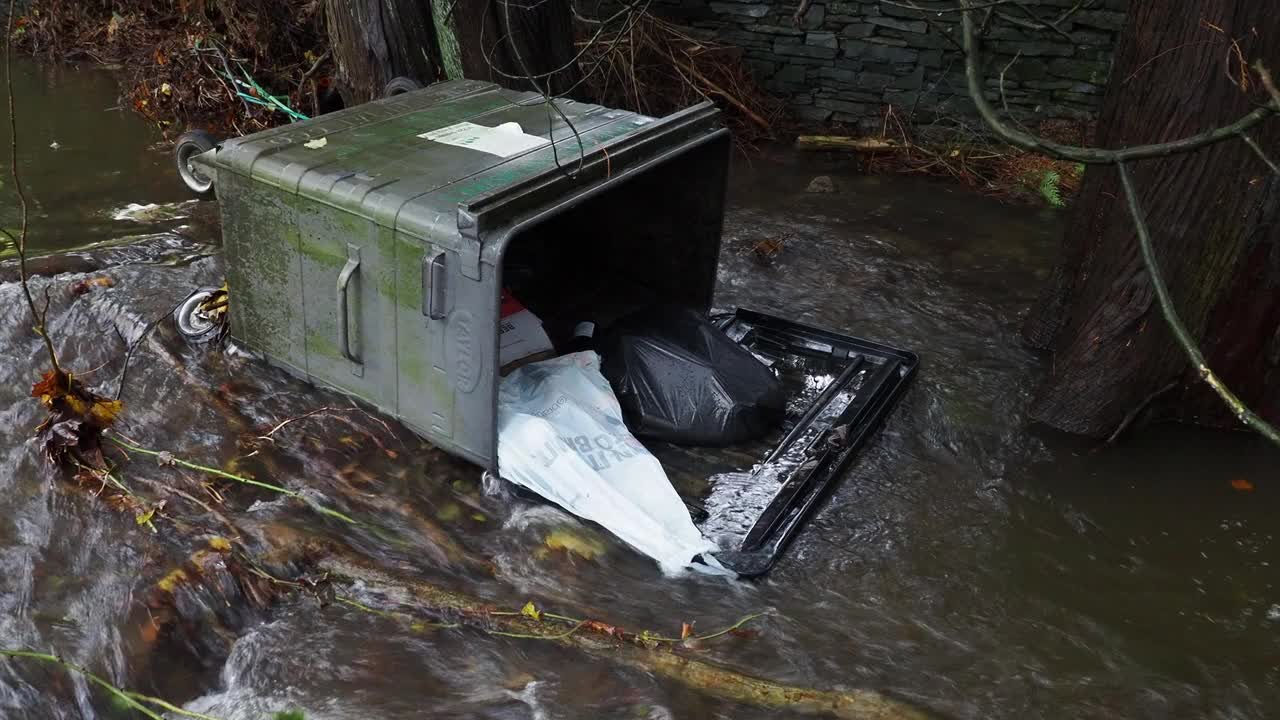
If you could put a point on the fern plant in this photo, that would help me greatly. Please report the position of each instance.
(1051, 188)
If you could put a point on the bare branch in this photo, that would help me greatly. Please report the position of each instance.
(801, 9)
(995, 5)
(1119, 158)
(1090, 156)
(1268, 83)
(1033, 22)
(20, 243)
(944, 11)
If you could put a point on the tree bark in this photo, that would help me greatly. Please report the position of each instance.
(374, 41)
(486, 34)
(1214, 216)
(427, 40)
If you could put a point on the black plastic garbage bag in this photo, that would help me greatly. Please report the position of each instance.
(680, 379)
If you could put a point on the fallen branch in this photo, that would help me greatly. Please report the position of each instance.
(594, 638)
(714, 89)
(132, 700)
(1238, 408)
(840, 142)
(1088, 156)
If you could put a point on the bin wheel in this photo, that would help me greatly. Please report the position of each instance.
(189, 145)
(400, 86)
(193, 322)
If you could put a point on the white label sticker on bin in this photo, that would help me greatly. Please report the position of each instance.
(504, 140)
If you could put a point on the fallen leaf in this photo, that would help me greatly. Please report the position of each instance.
(1242, 485)
(170, 582)
(52, 385)
(686, 630)
(574, 543)
(145, 518)
(164, 458)
(166, 89)
(220, 544)
(610, 630)
(88, 284)
(316, 144)
(449, 513)
(531, 611)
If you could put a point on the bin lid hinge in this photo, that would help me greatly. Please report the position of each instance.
(471, 245)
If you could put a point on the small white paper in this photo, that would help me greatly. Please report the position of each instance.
(317, 143)
(504, 140)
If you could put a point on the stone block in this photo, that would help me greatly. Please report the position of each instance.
(1049, 84)
(875, 80)
(912, 26)
(1090, 71)
(878, 53)
(858, 30)
(887, 40)
(790, 74)
(795, 49)
(913, 80)
(844, 105)
(1034, 48)
(812, 113)
(1103, 19)
(822, 40)
(813, 17)
(752, 10)
(775, 30)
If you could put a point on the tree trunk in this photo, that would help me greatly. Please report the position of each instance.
(374, 41)
(1214, 217)
(480, 39)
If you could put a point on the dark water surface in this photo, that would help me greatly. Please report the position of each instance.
(968, 564)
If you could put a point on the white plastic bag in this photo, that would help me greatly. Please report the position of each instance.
(561, 435)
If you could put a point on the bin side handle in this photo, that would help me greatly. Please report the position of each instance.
(433, 286)
(344, 326)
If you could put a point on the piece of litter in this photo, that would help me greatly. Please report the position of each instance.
(504, 140)
(561, 435)
(316, 144)
(54, 145)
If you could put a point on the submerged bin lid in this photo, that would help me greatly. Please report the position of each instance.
(411, 162)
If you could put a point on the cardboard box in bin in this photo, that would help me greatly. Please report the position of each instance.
(521, 339)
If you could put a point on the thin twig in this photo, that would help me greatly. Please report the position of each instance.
(1133, 413)
(307, 75)
(20, 243)
(130, 700)
(132, 346)
(169, 458)
(1257, 149)
(1237, 406)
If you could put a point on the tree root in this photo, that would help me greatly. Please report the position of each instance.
(604, 641)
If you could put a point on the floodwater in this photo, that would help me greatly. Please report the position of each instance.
(83, 157)
(968, 564)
